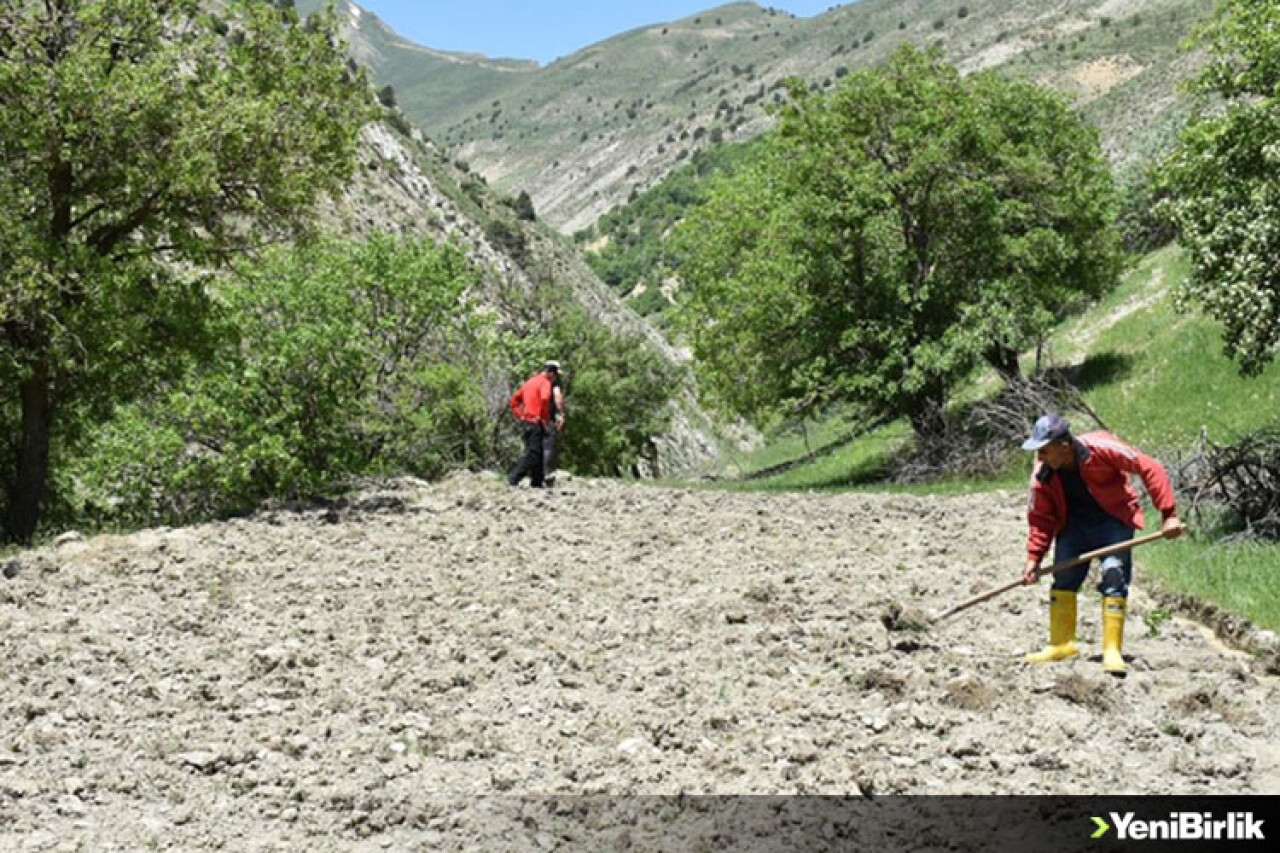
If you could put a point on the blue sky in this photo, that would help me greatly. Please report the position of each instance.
(540, 29)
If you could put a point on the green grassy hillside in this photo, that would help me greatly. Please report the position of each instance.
(1158, 376)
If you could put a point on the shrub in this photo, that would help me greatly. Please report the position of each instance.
(508, 238)
(616, 395)
(523, 206)
(1142, 226)
(1242, 481)
(399, 122)
(337, 361)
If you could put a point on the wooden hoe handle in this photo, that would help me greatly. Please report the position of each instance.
(1050, 570)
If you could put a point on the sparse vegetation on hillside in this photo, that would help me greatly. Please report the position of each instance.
(628, 247)
(628, 94)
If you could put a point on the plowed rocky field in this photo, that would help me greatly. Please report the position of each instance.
(374, 673)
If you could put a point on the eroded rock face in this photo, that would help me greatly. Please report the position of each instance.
(357, 675)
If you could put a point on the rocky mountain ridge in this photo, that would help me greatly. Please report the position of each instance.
(585, 132)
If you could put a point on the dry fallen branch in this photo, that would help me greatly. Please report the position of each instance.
(1242, 479)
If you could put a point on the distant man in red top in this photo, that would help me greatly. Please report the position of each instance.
(533, 404)
(1081, 500)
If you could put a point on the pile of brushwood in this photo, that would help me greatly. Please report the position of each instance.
(982, 439)
(1235, 485)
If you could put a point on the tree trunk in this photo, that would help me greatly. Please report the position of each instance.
(929, 425)
(32, 467)
(1005, 361)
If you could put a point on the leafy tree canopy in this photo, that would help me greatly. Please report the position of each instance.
(1224, 182)
(334, 360)
(140, 140)
(892, 236)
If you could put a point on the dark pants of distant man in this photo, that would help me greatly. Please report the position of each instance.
(539, 447)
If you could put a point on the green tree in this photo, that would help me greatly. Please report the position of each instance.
(893, 235)
(336, 360)
(523, 206)
(137, 144)
(617, 394)
(1223, 179)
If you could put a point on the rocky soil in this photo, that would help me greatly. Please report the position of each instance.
(390, 671)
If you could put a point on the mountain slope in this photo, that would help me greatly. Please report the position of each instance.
(584, 132)
(405, 185)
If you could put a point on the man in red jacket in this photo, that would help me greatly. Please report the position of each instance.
(533, 404)
(1081, 500)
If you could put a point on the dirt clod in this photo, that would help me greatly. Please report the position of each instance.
(971, 693)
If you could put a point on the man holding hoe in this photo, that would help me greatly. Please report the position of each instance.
(1081, 500)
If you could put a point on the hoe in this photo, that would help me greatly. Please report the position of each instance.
(1048, 570)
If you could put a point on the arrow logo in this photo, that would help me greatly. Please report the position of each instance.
(1103, 826)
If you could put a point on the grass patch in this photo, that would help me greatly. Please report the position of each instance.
(1158, 376)
(841, 460)
(789, 446)
(844, 460)
(1242, 578)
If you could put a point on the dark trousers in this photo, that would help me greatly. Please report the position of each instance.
(538, 446)
(1079, 537)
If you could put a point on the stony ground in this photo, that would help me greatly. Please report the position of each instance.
(370, 675)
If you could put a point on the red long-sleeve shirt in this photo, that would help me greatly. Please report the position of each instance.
(532, 401)
(1104, 463)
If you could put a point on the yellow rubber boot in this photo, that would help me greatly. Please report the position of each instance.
(1062, 629)
(1113, 610)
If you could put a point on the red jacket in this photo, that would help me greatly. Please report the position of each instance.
(532, 401)
(1105, 463)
